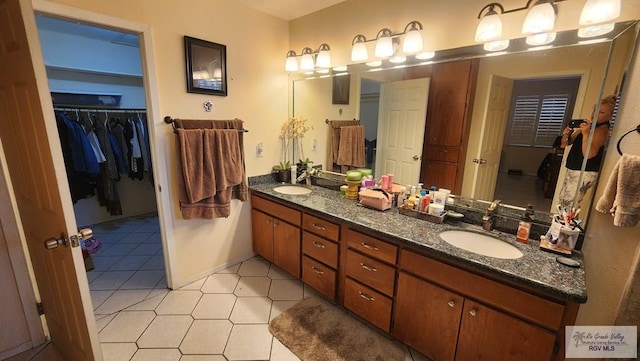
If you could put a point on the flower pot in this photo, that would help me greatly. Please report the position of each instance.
(284, 175)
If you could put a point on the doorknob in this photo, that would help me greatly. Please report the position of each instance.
(415, 157)
(53, 243)
(479, 161)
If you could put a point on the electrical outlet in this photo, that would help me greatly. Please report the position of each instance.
(314, 144)
(259, 150)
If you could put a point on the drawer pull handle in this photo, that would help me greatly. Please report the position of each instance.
(374, 248)
(451, 304)
(317, 244)
(317, 270)
(319, 226)
(370, 269)
(368, 298)
(473, 313)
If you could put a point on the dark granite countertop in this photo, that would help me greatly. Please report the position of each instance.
(536, 269)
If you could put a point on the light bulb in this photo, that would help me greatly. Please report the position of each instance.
(599, 11)
(489, 28)
(540, 18)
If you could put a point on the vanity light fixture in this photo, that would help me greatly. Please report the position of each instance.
(541, 18)
(386, 42)
(597, 17)
(309, 60)
(425, 55)
(540, 39)
(496, 45)
(398, 59)
(490, 26)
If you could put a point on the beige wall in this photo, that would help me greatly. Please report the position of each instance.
(609, 251)
(257, 84)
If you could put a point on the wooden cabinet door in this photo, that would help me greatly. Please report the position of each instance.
(427, 317)
(286, 247)
(440, 174)
(262, 227)
(487, 334)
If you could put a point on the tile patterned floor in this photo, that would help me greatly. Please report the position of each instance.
(222, 317)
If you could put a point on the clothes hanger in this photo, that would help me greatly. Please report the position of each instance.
(636, 129)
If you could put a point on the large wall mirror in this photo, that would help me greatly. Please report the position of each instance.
(502, 157)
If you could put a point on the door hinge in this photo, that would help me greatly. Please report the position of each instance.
(40, 308)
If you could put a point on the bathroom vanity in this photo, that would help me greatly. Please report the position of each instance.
(396, 273)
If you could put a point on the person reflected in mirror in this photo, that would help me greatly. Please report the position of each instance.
(574, 135)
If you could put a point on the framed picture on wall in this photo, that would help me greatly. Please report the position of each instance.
(206, 66)
(340, 89)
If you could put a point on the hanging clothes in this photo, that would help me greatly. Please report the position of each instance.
(109, 172)
(136, 168)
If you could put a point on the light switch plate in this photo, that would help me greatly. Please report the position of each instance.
(259, 150)
(314, 144)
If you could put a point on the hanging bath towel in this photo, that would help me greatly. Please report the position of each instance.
(621, 197)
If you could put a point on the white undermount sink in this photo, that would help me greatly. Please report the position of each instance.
(481, 244)
(292, 190)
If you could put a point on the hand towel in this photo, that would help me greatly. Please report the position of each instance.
(229, 174)
(351, 147)
(333, 139)
(621, 197)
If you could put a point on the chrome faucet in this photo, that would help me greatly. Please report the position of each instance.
(306, 175)
(490, 215)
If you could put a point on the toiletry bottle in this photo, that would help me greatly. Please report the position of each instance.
(416, 204)
(294, 174)
(524, 226)
(412, 198)
(424, 201)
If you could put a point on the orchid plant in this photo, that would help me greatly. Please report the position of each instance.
(292, 132)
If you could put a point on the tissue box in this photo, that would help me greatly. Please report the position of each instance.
(375, 198)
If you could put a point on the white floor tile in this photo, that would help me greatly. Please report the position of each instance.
(157, 292)
(130, 263)
(165, 332)
(118, 249)
(171, 354)
(277, 273)
(149, 303)
(118, 351)
(146, 249)
(143, 279)
(280, 352)
(206, 337)
(220, 283)
(150, 227)
(127, 326)
(179, 303)
(111, 280)
(103, 320)
(252, 286)
(254, 267)
(92, 275)
(98, 297)
(249, 342)
(277, 307)
(120, 300)
(156, 262)
(232, 269)
(107, 238)
(194, 285)
(203, 358)
(214, 306)
(286, 290)
(251, 310)
(103, 263)
(154, 238)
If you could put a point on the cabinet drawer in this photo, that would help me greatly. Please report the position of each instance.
(372, 246)
(320, 227)
(321, 249)
(526, 305)
(368, 304)
(372, 273)
(319, 276)
(277, 210)
(443, 153)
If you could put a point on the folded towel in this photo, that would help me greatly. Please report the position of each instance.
(621, 197)
(206, 188)
(351, 148)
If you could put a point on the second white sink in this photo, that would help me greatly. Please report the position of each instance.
(292, 190)
(481, 244)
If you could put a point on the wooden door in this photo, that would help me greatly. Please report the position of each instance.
(402, 117)
(286, 247)
(427, 317)
(262, 227)
(487, 334)
(492, 135)
(35, 164)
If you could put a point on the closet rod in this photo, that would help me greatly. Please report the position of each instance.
(171, 121)
(108, 110)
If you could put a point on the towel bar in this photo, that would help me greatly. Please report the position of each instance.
(636, 129)
(171, 121)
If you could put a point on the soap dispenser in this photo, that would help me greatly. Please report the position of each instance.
(524, 226)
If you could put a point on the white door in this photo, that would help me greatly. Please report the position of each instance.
(401, 121)
(487, 162)
(34, 160)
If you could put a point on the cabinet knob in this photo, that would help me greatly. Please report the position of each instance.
(373, 248)
(318, 244)
(451, 304)
(473, 313)
(368, 268)
(319, 226)
(366, 297)
(317, 270)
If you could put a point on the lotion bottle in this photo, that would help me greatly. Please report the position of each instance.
(524, 226)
